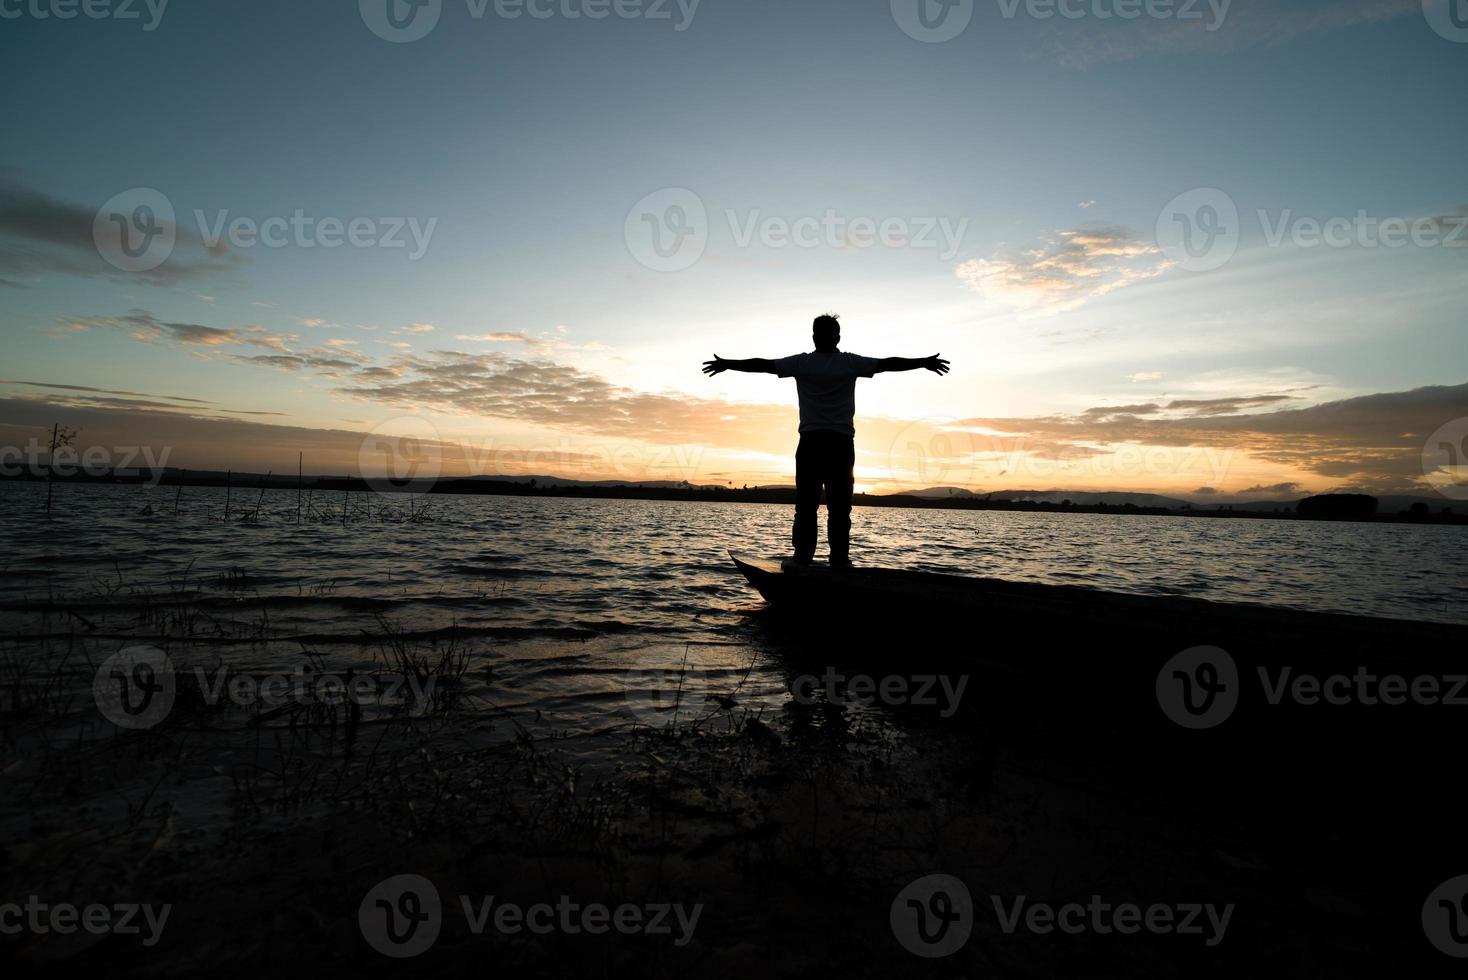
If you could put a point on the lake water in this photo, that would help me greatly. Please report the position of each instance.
(565, 595)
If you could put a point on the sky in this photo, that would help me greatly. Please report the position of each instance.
(1217, 250)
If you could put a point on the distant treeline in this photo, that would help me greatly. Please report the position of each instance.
(1350, 507)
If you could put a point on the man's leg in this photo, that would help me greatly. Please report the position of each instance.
(840, 459)
(807, 499)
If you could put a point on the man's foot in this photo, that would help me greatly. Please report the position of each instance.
(794, 561)
(840, 562)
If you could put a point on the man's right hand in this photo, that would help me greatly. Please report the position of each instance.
(936, 364)
(717, 366)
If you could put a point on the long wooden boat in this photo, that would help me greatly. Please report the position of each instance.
(869, 598)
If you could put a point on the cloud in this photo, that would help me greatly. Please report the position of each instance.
(1145, 376)
(1112, 411)
(1373, 442)
(499, 338)
(43, 235)
(88, 397)
(1068, 270)
(103, 391)
(544, 393)
(1269, 490)
(1223, 406)
(144, 326)
(1247, 24)
(221, 442)
(376, 373)
(418, 328)
(286, 362)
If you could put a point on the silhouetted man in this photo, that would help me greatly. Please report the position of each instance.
(826, 382)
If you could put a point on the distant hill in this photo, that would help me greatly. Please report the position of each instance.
(1079, 498)
(1391, 503)
(1387, 503)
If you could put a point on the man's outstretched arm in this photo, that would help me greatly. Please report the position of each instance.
(751, 365)
(936, 364)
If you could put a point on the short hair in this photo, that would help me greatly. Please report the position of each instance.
(827, 326)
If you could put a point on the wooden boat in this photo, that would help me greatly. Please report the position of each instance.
(867, 598)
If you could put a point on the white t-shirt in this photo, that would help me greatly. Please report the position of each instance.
(826, 383)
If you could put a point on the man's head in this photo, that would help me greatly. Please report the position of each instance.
(826, 331)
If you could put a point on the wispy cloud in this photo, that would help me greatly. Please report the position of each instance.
(1066, 271)
(144, 326)
(44, 235)
(498, 338)
(103, 391)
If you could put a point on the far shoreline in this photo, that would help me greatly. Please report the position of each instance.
(529, 487)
